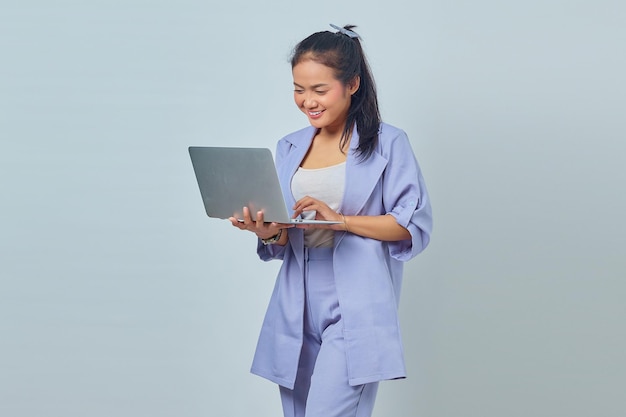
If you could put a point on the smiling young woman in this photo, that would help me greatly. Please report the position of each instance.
(323, 98)
(331, 332)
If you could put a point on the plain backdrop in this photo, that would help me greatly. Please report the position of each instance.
(119, 297)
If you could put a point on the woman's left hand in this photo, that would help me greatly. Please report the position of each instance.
(322, 212)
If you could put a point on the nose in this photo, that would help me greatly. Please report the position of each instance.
(309, 101)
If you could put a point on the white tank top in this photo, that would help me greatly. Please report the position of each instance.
(325, 184)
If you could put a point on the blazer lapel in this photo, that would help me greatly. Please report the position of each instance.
(288, 167)
(361, 178)
(293, 159)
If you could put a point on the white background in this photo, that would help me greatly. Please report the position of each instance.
(119, 297)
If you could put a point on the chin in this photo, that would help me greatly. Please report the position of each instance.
(317, 124)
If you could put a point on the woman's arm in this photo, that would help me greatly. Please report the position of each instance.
(383, 227)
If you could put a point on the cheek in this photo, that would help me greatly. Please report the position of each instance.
(334, 97)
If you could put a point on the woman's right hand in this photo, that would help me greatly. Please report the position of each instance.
(262, 229)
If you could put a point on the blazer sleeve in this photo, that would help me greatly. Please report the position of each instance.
(270, 252)
(405, 197)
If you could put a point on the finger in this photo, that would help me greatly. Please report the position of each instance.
(246, 216)
(311, 207)
(304, 201)
(236, 223)
(259, 219)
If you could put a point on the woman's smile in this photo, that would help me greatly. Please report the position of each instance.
(315, 114)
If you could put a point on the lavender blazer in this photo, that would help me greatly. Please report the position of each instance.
(368, 272)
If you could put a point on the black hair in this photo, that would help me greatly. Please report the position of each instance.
(342, 52)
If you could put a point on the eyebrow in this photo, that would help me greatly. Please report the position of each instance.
(313, 86)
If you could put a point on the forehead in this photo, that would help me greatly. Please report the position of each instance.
(310, 71)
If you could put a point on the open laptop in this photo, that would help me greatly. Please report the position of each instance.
(231, 178)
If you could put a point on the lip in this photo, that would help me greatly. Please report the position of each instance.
(315, 114)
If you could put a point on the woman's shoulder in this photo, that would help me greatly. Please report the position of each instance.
(294, 140)
(300, 135)
(391, 136)
(388, 131)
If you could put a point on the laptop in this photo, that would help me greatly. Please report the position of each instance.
(231, 178)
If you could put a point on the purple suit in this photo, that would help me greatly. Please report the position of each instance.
(368, 272)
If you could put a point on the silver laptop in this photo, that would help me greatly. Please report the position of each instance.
(231, 178)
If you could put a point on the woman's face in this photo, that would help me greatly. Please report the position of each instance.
(323, 98)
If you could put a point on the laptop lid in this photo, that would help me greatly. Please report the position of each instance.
(231, 178)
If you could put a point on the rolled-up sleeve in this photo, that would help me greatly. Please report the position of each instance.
(270, 252)
(405, 198)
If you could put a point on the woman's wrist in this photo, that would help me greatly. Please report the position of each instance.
(345, 223)
(273, 239)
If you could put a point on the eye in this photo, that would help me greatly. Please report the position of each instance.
(298, 91)
(321, 93)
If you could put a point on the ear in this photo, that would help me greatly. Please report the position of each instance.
(353, 85)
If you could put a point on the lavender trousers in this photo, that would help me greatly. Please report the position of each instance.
(321, 388)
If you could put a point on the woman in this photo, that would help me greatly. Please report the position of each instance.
(331, 331)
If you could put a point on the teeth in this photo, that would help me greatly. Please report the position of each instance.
(315, 113)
